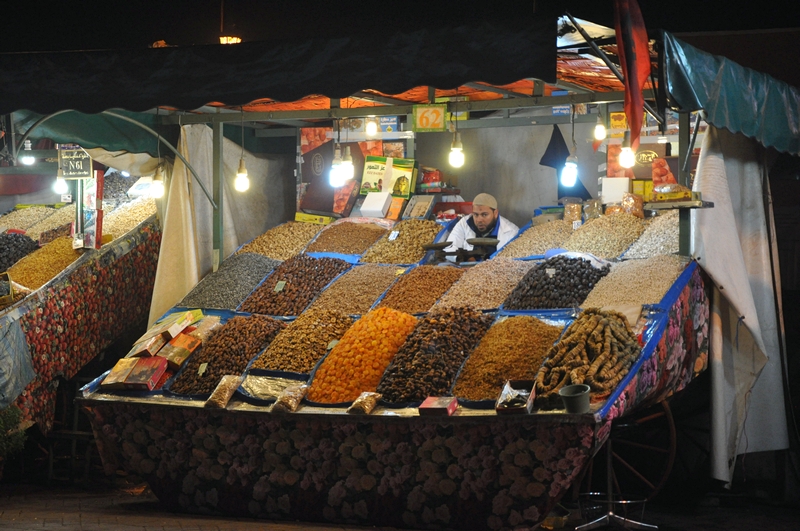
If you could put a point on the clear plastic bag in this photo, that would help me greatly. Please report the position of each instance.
(223, 392)
(593, 208)
(289, 400)
(573, 212)
(614, 208)
(204, 328)
(670, 188)
(633, 204)
(364, 404)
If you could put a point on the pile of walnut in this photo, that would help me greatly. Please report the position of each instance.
(598, 349)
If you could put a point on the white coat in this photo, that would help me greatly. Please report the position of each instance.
(463, 232)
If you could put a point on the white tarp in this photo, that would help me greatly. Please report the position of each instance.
(186, 254)
(731, 242)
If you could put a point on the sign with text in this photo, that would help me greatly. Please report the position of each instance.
(429, 118)
(74, 161)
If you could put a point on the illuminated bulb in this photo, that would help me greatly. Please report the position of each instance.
(336, 176)
(241, 183)
(569, 174)
(60, 186)
(456, 157)
(600, 130)
(372, 127)
(626, 158)
(347, 168)
(27, 158)
(125, 174)
(157, 185)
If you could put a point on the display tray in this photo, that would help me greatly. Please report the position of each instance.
(246, 396)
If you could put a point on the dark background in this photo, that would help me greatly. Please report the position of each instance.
(46, 26)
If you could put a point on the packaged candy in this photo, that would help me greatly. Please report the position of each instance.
(364, 404)
(223, 392)
(633, 204)
(289, 400)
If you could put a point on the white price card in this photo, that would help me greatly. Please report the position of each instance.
(550, 272)
(393, 235)
(279, 286)
(576, 224)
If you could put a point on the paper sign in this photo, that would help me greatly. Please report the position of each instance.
(393, 235)
(429, 118)
(202, 369)
(550, 272)
(66, 198)
(333, 343)
(576, 224)
(279, 286)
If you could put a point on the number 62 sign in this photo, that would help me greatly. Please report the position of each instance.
(429, 118)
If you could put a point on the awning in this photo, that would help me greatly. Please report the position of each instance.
(190, 77)
(734, 97)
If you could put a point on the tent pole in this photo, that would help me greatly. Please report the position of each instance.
(218, 185)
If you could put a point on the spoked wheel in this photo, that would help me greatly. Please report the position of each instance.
(643, 452)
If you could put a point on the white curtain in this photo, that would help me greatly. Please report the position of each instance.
(186, 254)
(731, 243)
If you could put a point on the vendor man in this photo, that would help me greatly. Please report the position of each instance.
(484, 222)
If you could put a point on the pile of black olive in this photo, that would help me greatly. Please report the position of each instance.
(428, 361)
(14, 246)
(559, 282)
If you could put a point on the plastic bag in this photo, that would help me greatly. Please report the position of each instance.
(204, 328)
(669, 188)
(614, 208)
(289, 400)
(365, 403)
(573, 212)
(224, 391)
(593, 208)
(633, 204)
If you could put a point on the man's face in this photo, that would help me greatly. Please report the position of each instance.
(483, 216)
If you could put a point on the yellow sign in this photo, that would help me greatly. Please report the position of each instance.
(617, 120)
(429, 118)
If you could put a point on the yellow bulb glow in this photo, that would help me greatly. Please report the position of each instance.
(626, 158)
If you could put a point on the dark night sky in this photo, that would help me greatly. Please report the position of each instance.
(38, 26)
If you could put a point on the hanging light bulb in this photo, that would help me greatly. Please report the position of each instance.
(27, 157)
(336, 176)
(569, 173)
(125, 174)
(600, 129)
(456, 157)
(60, 186)
(157, 185)
(372, 126)
(242, 182)
(626, 156)
(347, 169)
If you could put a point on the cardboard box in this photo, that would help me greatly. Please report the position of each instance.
(116, 378)
(505, 407)
(172, 325)
(146, 373)
(313, 218)
(612, 188)
(396, 209)
(438, 406)
(643, 188)
(148, 347)
(178, 350)
(419, 207)
(92, 229)
(386, 174)
(376, 204)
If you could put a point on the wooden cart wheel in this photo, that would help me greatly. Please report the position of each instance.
(643, 452)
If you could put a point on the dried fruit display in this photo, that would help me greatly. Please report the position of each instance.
(660, 237)
(293, 285)
(42, 265)
(229, 285)
(403, 244)
(128, 216)
(597, 349)
(13, 247)
(24, 218)
(358, 361)
(59, 218)
(637, 281)
(356, 291)
(559, 282)
(418, 290)
(346, 238)
(538, 239)
(227, 351)
(304, 342)
(513, 349)
(486, 285)
(607, 236)
(284, 241)
(428, 361)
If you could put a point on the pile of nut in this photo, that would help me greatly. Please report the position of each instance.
(538, 239)
(127, 217)
(115, 187)
(403, 244)
(227, 351)
(660, 237)
(427, 363)
(46, 236)
(293, 285)
(418, 290)
(42, 265)
(346, 238)
(24, 218)
(637, 281)
(59, 218)
(304, 342)
(512, 349)
(486, 285)
(597, 349)
(559, 282)
(284, 241)
(606, 236)
(356, 291)
(13, 247)
(358, 361)
(231, 283)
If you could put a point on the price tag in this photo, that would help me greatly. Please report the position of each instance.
(551, 272)
(202, 369)
(279, 286)
(66, 198)
(399, 272)
(429, 118)
(333, 343)
(576, 225)
(77, 242)
(393, 235)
